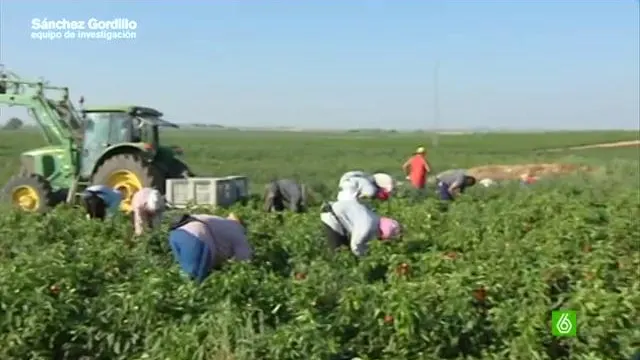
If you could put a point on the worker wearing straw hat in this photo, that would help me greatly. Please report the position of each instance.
(417, 168)
(361, 185)
(201, 242)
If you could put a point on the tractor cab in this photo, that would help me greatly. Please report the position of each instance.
(130, 126)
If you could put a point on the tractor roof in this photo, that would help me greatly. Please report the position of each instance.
(159, 122)
(152, 115)
(132, 109)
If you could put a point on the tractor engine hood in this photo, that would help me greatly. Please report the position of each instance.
(45, 150)
(177, 150)
(167, 151)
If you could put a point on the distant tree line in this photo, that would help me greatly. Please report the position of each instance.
(13, 124)
(372, 131)
(205, 125)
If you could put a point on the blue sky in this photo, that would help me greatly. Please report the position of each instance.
(348, 64)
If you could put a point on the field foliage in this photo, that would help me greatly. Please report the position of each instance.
(473, 280)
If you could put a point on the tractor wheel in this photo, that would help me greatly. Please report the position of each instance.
(128, 173)
(31, 193)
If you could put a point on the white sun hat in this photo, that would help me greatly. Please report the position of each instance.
(385, 181)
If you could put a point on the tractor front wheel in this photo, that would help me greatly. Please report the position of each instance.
(30, 193)
(128, 173)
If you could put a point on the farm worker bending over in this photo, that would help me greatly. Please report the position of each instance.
(527, 178)
(417, 168)
(101, 201)
(453, 182)
(359, 185)
(351, 223)
(201, 243)
(279, 193)
(148, 206)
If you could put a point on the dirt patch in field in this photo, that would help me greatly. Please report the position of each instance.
(634, 143)
(512, 172)
(617, 144)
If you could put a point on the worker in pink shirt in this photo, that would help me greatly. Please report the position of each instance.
(148, 207)
(201, 242)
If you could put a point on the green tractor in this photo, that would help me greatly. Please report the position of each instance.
(115, 146)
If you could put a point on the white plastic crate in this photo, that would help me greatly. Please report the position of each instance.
(241, 185)
(218, 192)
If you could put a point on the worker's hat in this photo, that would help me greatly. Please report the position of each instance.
(384, 181)
(234, 217)
(237, 219)
(420, 150)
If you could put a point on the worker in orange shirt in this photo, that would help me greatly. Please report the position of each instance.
(417, 168)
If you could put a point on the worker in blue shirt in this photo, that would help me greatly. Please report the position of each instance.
(101, 201)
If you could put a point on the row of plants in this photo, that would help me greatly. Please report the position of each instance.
(474, 280)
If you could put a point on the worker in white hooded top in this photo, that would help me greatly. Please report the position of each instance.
(351, 223)
(101, 201)
(361, 185)
(148, 207)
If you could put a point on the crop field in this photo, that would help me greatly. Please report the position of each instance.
(476, 279)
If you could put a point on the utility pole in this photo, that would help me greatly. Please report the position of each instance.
(436, 103)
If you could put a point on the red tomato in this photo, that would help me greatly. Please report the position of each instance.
(451, 255)
(300, 276)
(54, 289)
(403, 269)
(480, 293)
